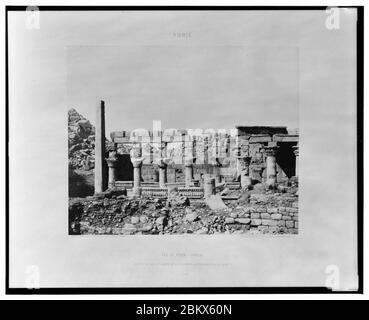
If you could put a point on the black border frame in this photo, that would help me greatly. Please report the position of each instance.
(203, 290)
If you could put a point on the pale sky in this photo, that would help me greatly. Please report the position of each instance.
(186, 86)
(236, 68)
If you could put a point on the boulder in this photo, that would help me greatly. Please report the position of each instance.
(191, 217)
(215, 202)
(243, 220)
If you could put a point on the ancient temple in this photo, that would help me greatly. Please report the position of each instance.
(193, 162)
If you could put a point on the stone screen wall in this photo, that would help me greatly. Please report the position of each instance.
(214, 152)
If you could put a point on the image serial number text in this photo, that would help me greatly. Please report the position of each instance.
(190, 309)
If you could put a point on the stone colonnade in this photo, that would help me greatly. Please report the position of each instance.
(104, 180)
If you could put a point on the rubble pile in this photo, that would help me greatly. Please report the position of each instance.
(113, 212)
(81, 142)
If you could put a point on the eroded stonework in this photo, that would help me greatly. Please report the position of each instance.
(229, 181)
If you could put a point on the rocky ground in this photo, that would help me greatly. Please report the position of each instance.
(81, 154)
(250, 211)
(81, 141)
(256, 211)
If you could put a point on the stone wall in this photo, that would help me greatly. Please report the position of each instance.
(274, 212)
(214, 152)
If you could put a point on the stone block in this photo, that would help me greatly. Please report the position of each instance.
(296, 225)
(281, 223)
(276, 216)
(272, 210)
(255, 222)
(243, 220)
(229, 220)
(215, 202)
(285, 138)
(284, 217)
(265, 215)
(255, 215)
(293, 231)
(246, 210)
(253, 209)
(290, 224)
(269, 222)
(260, 138)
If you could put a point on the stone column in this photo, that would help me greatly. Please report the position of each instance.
(206, 150)
(162, 164)
(101, 182)
(137, 165)
(216, 169)
(245, 178)
(162, 175)
(209, 186)
(188, 171)
(112, 164)
(296, 152)
(271, 170)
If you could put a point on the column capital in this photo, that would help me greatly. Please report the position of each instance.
(162, 162)
(111, 162)
(136, 151)
(137, 162)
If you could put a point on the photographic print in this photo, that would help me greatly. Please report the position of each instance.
(234, 171)
(184, 148)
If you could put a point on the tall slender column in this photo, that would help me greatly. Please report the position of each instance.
(206, 150)
(100, 165)
(188, 171)
(296, 152)
(271, 170)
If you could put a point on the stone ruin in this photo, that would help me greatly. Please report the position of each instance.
(193, 162)
(189, 181)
